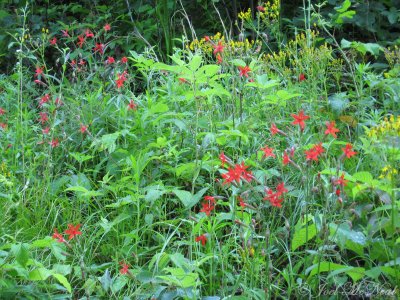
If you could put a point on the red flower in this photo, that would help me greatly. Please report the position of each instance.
(73, 231)
(208, 205)
(268, 152)
(121, 79)
(234, 174)
(58, 102)
(39, 71)
(311, 155)
(244, 71)
(219, 59)
(218, 48)
(299, 119)
(107, 27)
(44, 100)
(274, 198)
(54, 143)
(83, 129)
(43, 117)
(110, 60)
(46, 130)
(261, 8)
(58, 236)
(207, 38)
(223, 159)
(53, 41)
(348, 152)
(65, 33)
(241, 202)
(319, 149)
(88, 33)
(274, 130)
(99, 47)
(286, 159)
(280, 188)
(125, 268)
(3, 126)
(302, 77)
(337, 192)
(81, 41)
(124, 60)
(202, 238)
(132, 105)
(2, 111)
(314, 152)
(330, 128)
(182, 80)
(341, 181)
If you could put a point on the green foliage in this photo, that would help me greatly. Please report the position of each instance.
(258, 174)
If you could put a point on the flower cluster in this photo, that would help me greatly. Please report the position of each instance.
(208, 205)
(72, 231)
(388, 127)
(276, 198)
(236, 173)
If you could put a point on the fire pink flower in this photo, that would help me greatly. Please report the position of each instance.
(54, 143)
(331, 129)
(88, 33)
(348, 151)
(261, 8)
(268, 152)
(244, 71)
(107, 27)
(83, 129)
(110, 60)
(99, 48)
(73, 231)
(299, 119)
(58, 236)
(202, 238)
(219, 48)
(46, 130)
(124, 268)
(132, 105)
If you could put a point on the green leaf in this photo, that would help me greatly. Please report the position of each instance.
(364, 177)
(303, 235)
(43, 243)
(119, 283)
(106, 280)
(64, 281)
(179, 277)
(21, 253)
(238, 62)
(345, 6)
(187, 199)
(39, 274)
(195, 62)
(325, 266)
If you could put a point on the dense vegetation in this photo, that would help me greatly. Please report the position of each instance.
(152, 152)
